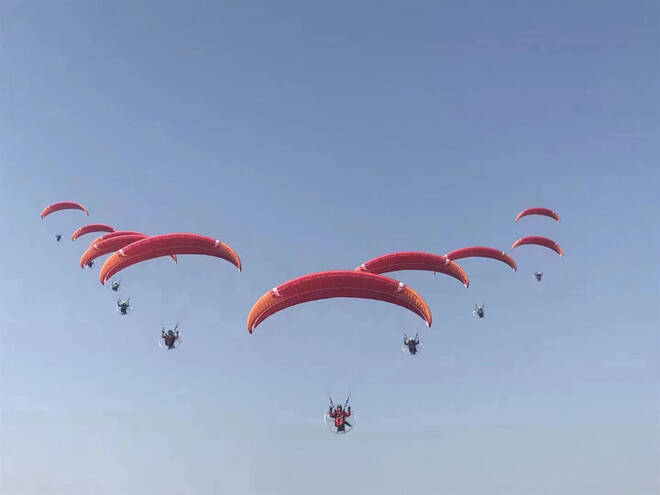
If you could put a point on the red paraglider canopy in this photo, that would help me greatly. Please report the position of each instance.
(101, 247)
(165, 245)
(415, 260)
(337, 283)
(62, 205)
(482, 252)
(546, 212)
(92, 227)
(539, 241)
(109, 243)
(118, 233)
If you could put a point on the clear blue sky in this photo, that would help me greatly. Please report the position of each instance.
(314, 136)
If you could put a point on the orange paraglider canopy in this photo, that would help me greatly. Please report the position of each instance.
(92, 227)
(117, 233)
(337, 283)
(415, 260)
(546, 212)
(102, 247)
(166, 245)
(539, 241)
(482, 252)
(62, 205)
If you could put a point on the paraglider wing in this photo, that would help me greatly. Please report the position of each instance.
(539, 241)
(337, 283)
(414, 260)
(165, 245)
(117, 233)
(92, 227)
(136, 236)
(102, 247)
(538, 211)
(482, 252)
(62, 205)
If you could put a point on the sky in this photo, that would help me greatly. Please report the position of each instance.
(312, 136)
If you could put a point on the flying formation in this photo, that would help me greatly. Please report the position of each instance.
(368, 281)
